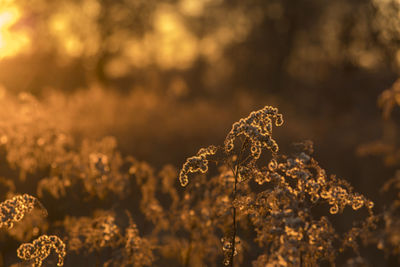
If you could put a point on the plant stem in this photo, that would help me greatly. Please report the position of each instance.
(301, 259)
(187, 257)
(234, 220)
(236, 173)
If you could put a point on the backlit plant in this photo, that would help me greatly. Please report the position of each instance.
(275, 196)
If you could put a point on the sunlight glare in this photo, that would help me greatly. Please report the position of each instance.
(11, 42)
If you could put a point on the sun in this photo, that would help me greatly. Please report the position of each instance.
(11, 42)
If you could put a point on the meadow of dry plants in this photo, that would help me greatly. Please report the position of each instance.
(199, 133)
(241, 202)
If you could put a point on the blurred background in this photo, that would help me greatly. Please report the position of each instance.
(168, 77)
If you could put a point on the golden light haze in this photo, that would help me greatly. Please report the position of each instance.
(11, 41)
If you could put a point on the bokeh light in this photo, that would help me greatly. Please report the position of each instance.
(12, 39)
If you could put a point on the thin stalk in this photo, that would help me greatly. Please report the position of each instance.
(234, 221)
(244, 160)
(187, 257)
(236, 172)
(301, 259)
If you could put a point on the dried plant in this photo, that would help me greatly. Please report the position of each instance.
(14, 209)
(41, 248)
(31, 140)
(279, 211)
(387, 238)
(135, 250)
(243, 202)
(89, 234)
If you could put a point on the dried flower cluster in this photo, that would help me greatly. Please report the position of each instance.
(136, 251)
(101, 232)
(41, 248)
(280, 213)
(96, 165)
(31, 140)
(14, 209)
(198, 163)
(92, 234)
(257, 128)
(338, 193)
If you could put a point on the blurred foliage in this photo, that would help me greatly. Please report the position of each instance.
(207, 46)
